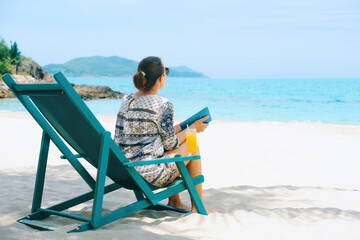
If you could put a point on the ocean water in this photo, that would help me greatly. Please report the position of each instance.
(281, 100)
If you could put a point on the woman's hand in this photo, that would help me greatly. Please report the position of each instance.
(199, 125)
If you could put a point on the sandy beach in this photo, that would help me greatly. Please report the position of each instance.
(270, 180)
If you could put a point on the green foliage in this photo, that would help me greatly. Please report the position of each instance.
(14, 51)
(15, 57)
(4, 68)
(4, 50)
(9, 57)
(4, 58)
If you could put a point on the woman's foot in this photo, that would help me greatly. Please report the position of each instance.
(208, 210)
(178, 204)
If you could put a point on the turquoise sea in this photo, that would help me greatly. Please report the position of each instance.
(280, 100)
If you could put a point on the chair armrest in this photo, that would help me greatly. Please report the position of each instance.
(177, 158)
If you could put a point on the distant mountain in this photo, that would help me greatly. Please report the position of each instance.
(98, 66)
(94, 67)
(184, 71)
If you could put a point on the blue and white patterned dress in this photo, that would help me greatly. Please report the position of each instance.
(144, 131)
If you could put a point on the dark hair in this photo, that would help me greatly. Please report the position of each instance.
(148, 71)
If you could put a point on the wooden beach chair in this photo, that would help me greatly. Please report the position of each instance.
(65, 119)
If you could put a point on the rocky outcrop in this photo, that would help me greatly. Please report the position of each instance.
(28, 72)
(5, 91)
(31, 72)
(29, 67)
(88, 92)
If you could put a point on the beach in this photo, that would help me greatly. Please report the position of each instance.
(269, 180)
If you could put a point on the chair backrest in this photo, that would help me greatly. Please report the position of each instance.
(67, 113)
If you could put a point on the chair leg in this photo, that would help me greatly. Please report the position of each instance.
(40, 175)
(100, 180)
(191, 188)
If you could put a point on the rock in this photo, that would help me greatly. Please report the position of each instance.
(31, 72)
(28, 72)
(88, 92)
(23, 79)
(5, 91)
(30, 67)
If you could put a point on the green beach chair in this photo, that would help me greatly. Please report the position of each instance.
(65, 119)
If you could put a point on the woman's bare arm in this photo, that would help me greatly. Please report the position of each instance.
(198, 125)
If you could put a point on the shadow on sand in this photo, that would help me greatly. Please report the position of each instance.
(290, 203)
(287, 202)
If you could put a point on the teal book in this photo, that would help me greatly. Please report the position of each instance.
(204, 112)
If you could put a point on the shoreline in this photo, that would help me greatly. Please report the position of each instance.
(25, 114)
(350, 129)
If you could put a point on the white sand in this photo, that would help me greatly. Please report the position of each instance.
(269, 180)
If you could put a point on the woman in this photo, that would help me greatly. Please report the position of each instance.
(145, 129)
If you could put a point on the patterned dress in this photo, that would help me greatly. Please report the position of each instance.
(144, 131)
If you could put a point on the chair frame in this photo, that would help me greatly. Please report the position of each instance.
(146, 198)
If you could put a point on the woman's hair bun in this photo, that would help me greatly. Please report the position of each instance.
(148, 72)
(139, 80)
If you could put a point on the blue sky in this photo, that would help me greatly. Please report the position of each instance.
(223, 39)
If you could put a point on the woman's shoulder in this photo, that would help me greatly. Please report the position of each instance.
(128, 97)
(125, 102)
(153, 97)
(153, 102)
(159, 99)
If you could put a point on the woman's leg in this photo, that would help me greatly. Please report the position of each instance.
(194, 169)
